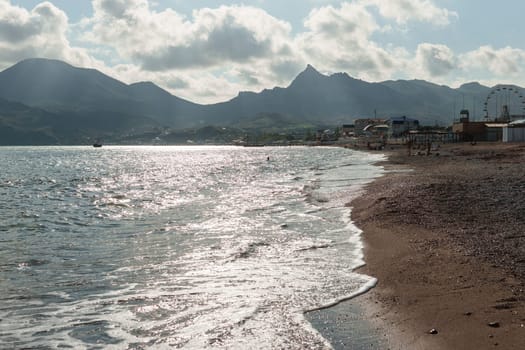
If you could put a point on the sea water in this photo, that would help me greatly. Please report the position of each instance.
(176, 247)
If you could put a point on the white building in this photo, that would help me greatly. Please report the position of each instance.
(515, 131)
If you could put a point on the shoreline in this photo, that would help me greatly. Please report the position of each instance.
(444, 258)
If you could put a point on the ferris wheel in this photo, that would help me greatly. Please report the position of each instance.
(503, 101)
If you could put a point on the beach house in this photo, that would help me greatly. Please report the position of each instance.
(514, 131)
(400, 126)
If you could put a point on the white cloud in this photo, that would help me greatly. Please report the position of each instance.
(41, 32)
(16, 23)
(231, 48)
(500, 62)
(434, 60)
(130, 27)
(193, 85)
(352, 19)
(166, 40)
(403, 11)
(339, 39)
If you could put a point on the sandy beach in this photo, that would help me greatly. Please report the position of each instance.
(444, 234)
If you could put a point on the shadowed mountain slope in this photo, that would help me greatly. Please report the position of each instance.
(90, 102)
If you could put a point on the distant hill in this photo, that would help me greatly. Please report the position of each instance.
(339, 98)
(24, 125)
(49, 101)
(19, 123)
(57, 86)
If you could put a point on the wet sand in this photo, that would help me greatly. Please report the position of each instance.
(346, 326)
(445, 236)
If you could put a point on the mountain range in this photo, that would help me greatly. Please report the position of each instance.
(46, 101)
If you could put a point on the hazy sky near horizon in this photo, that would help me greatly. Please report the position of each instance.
(207, 51)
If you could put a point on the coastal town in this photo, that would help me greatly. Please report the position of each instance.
(504, 122)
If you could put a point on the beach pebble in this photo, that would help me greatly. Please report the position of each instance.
(433, 331)
(494, 324)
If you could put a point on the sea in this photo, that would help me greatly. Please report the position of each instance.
(201, 247)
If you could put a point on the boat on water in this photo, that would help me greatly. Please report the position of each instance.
(97, 144)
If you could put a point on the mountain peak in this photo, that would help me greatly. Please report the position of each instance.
(310, 70)
(473, 84)
(310, 67)
(40, 60)
(473, 87)
(307, 77)
(36, 64)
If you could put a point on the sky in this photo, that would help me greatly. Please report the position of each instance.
(208, 51)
